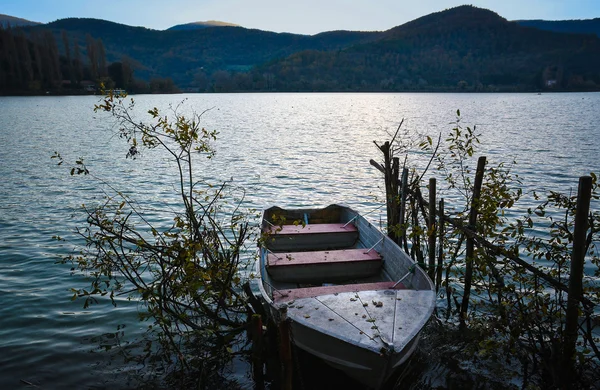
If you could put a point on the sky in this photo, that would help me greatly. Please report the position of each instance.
(299, 16)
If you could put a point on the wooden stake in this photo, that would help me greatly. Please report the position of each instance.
(394, 215)
(402, 212)
(470, 247)
(432, 229)
(257, 351)
(584, 195)
(285, 350)
(387, 166)
(438, 279)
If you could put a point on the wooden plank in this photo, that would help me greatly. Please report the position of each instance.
(323, 266)
(319, 228)
(289, 295)
(293, 259)
(322, 236)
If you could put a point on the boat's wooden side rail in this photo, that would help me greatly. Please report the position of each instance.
(281, 296)
(318, 236)
(323, 266)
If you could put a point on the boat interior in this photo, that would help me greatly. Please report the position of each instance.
(321, 251)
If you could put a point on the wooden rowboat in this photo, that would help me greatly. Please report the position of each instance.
(352, 296)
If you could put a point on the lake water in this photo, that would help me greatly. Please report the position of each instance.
(285, 149)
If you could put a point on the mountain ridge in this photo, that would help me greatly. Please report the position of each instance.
(200, 24)
(563, 25)
(464, 48)
(579, 26)
(13, 21)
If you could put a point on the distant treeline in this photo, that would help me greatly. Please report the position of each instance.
(32, 64)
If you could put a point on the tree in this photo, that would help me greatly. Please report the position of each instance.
(101, 53)
(222, 81)
(201, 80)
(185, 275)
(505, 275)
(37, 57)
(77, 64)
(160, 85)
(53, 59)
(115, 72)
(71, 71)
(92, 56)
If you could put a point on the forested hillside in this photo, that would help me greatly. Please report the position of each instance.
(464, 48)
(190, 56)
(459, 49)
(33, 64)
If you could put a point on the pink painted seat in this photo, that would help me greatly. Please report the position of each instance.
(319, 228)
(298, 259)
(319, 236)
(323, 266)
(307, 292)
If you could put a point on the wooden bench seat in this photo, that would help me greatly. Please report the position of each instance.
(318, 228)
(307, 292)
(323, 266)
(318, 236)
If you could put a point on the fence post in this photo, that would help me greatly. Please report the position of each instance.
(470, 247)
(584, 195)
(402, 213)
(387, 171)
(257, 351)
(285, 349)
(393, 205)
(432, 229)
(438, 278)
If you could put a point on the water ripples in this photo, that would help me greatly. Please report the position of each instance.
(286, 149)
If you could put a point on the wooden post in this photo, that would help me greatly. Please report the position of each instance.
(438, 278)
(470, 247)
(257, 351)
(576, 277)
(432, 229)
(387, 166)
(272, 357)
(285, 349)
(395, 217)
(402, 212)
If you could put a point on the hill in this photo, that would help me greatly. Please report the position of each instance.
(183, 54)
(463, 48)
(7, 20)
(199, 25)
(586, 26)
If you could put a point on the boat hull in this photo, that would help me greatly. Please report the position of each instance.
(365, 327)
(368, 367)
